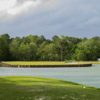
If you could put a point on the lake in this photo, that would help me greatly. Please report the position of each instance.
(84, 75)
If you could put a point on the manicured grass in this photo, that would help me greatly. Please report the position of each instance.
(35, 63)
(48, 62)
(35, 88)
(93, 62)
(43, 63)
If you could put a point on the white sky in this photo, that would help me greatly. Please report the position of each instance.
(14, 8)
(7, 4)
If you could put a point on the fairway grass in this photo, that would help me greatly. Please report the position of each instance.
(36, 88)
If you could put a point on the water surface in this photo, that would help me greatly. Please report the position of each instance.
(84, 75)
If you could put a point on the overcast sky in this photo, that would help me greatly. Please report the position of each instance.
(74, 18)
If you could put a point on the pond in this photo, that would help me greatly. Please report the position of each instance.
(83, 75)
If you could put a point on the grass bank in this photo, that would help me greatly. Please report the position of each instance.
(35, 88)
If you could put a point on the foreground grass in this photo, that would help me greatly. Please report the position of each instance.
(34, 88)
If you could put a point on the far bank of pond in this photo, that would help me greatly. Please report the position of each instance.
(31, 64)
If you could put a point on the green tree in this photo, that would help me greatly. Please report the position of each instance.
(4, 50)
(84, 39)
(50, 53)
(61, 46)
(24, 52)
(55, 38)
(6, 37)
(27, 52)
(13, 46)
(88, 50)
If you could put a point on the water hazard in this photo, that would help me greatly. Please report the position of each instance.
(84, 75)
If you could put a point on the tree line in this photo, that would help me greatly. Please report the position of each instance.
(38, 48)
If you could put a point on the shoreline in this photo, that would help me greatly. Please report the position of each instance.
(3, 64)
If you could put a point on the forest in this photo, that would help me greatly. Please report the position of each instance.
(38, 48)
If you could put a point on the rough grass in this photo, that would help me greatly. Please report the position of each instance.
(35, 88)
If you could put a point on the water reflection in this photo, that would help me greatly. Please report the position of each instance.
(85, 75)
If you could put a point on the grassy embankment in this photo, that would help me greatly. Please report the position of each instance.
(35, 88)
